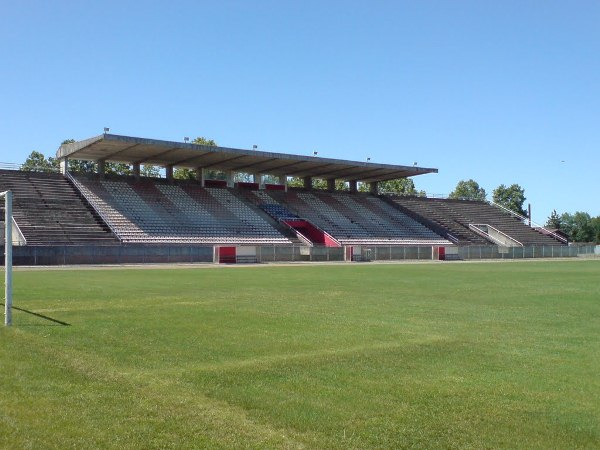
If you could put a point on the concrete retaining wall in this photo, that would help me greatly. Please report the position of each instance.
(118, 254)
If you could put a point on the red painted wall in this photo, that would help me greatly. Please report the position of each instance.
(227, 255)
(311, 232)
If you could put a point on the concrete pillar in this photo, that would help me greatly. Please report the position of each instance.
(331, 184)
(63, 165)
(230, 178)
(136, 170)
(374, 187)
(260, 179)
(353, 186)
(169, 172)
(308, 183)
(200, 175)
(101, 168)
(283, 181)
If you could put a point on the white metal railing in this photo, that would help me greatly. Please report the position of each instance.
(476, 229)
(10, 166)
(531, 222)
(16, 166)
(313, 225)
(21, 237)
(299, 235)
(452, 238)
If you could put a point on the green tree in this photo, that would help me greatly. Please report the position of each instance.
(295, 182)
(468, 190)
(76, 165)
(401, 186)
(270, 179)
(317, 183)
(183, 173)
(554, 221)
(511, 197)
(596, 227)
(201, 140)
(579, 227)
(149, 171)
(117, 169)
(243, 177)
(37, 162)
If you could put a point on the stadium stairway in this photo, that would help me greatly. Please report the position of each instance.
(49, 210)
(357, 219)
(263, 204)
(300, 230)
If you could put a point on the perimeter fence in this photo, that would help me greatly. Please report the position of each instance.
(146, 254)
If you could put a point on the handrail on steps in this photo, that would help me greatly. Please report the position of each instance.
(474, 227)
(21, 235)
(536, 225)
(297, 233)
(312, 224)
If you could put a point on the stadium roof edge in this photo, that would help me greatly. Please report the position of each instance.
(135, 150)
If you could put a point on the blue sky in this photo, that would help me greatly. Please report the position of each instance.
(501, 92)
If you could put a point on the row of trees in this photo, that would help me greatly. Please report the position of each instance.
(511, 197)
(401, 186)
(579, 227)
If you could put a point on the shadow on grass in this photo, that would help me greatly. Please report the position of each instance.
(59, 322)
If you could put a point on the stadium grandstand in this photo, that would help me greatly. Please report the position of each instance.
(99, 218)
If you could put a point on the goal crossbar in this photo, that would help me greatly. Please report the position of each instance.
(8, 219)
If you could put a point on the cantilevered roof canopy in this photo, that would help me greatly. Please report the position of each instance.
(134, 150)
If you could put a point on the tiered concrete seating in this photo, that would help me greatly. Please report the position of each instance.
(456, 215)
(438, 213)
(154, 211)
(357, 219)
(49, 211)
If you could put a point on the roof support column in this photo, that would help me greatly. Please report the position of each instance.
(308, 183)
(374, 187)
(259, 179)
(353, 186)
(200, 175)
(283, 180)
(136, 170)
(63, 165)
(331, 184)
(101, 168)
(169, 172)
(230, 178)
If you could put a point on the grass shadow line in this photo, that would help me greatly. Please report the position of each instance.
(60, 322)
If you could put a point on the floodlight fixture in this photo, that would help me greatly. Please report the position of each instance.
(106, 130)
(315, 153)
(254, 147)
(415, 163)
(368, 158)
(186, 139)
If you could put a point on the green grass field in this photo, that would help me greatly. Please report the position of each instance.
(450, 355)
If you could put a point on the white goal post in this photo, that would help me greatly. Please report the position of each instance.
(8, 221)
